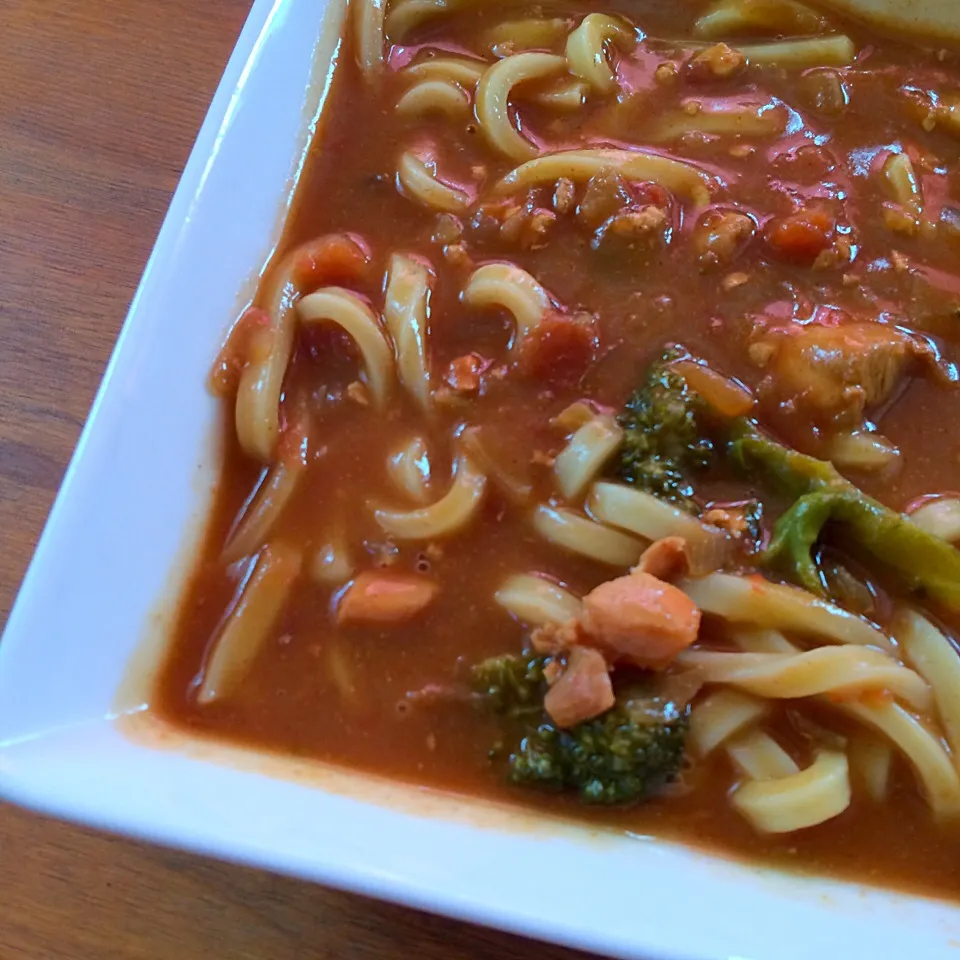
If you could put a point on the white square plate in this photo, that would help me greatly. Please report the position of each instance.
(77, 741)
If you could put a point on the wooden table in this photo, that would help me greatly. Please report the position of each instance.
(100, 102)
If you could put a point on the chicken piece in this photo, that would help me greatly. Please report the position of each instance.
(665, 559)
(639, 619)
(583, 690)
(835, 371)
(376, 597)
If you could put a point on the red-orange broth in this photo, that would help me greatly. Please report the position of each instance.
(338, 693)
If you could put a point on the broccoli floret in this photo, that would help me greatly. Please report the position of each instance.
(663, 442)
(511, 685)
(619, 757)
(928, 564)
(623, 756)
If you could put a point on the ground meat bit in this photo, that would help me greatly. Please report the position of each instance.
(899, 220)
(717, 62)
(457, 256)
(721, 235)
(358, 393)
(734, 521)
(605, 194)
(560, 348)
(464, 373)
(528, 228)
(564, 196)
(733, 280)
(447, 229)
(523, 224)
(635, 228)
(838, 254)
(666, 73)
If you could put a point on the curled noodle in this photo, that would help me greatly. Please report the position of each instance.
(514, 290)
(493, 99)
(420, 182)
(354, 317)
(587, 50)
(406, 313)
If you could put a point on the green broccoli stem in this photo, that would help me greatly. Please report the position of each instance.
(929, 565)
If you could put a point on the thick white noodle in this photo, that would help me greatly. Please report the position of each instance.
(835, 50)
(587, 49)
(765, 604)
(721, 715)
(404, 16)
(420, 182)
(409, 469)
(586, 453)
(762, 120)
(448, 515)
(871, 761)
(758, 640)
(369, 31)
(923, 750)
(936, 659)
(841, 671)
(678, 176)
(941, 517)
(536, 601)
(357, 320)
(494, 99)
(257, 415)
(785, 18)
(512, 289)
(803, 799)
(758, 756)
(406, 313)
(459, 70)
(248, 625)
(273, 494)
(902, 182)
(578, 534)
(642, 513)
(434, 96)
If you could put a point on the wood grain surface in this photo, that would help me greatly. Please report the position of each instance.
(99, 104)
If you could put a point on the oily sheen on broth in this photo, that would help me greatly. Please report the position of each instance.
(591, 440)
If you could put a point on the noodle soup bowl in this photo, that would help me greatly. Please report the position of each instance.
(78, 739)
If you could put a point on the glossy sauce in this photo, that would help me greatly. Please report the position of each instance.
(338, 694)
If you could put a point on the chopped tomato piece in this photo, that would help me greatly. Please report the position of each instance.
(560, 348)
(336, 258)
(377, 597)
(464, 372)
(801, 236)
